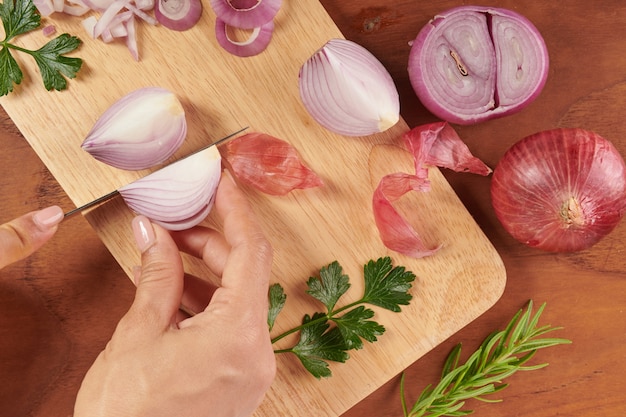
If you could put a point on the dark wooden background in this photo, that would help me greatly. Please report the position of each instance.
(59, 307)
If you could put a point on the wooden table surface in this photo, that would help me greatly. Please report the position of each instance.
(59, 307)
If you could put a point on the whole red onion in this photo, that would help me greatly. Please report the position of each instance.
(560, 190)
(474, 63)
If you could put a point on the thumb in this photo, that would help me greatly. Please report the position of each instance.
(160, 280)
(22, 236)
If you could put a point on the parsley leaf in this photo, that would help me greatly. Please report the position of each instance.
(277, 302)
(330, 286)
(53, 65)
(386, 286)
(19, 17)
(354, 326)
(10, 72)
(329, 336)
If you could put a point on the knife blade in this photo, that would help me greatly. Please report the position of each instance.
(115, 193)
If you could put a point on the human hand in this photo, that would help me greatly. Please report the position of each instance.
(217, 363)
(21, 237)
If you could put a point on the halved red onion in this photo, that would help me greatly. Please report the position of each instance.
(140, 130)
(180, 195)
(178, 15)
(246, 14)
(256, 43)
(268, 164)
(560, 190)
(347, 90)
(474, 63)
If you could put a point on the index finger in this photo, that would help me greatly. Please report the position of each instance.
(248, 267)
(22, 236)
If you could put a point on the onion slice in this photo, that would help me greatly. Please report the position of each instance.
(474, 63)
(347, 90)
(268, 164)
(560, 190)
(256, 43)
(178, 15)
(178, 196)
(246, 14)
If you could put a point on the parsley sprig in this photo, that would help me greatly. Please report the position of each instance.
(499, 356)
(19, 17)
(328, 336)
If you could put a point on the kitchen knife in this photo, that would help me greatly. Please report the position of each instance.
(113, 194)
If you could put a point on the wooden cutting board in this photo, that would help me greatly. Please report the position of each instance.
(309, 229)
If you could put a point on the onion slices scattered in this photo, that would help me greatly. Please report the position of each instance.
(251, 19)
(178, 15)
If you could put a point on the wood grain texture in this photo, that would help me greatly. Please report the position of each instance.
(60, 306)
(308, 229)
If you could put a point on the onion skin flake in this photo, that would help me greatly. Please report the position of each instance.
(560, 190)
(268, 164)
(435, 144)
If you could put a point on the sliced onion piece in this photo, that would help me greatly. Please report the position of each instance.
(473, 63)
(560, 190)
(245, 14)
(98, 5)
(178, 15)
(256, 43)
(140, 130)
(348, 91)
(268, 164)
(180, 195)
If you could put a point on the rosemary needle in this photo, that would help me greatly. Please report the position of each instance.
(499, 356)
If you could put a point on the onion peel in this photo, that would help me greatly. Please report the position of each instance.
(435, 144)
(395, 232)
(268, 164)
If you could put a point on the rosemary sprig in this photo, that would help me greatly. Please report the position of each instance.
(500, 355)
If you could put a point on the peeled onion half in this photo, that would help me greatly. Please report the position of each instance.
(180, 195)
(473, 63)
(560, 190)
(347, 90)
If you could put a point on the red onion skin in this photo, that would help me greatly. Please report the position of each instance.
(489, 84)
(560, 190)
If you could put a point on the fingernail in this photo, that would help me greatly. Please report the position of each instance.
(48, 217)
(143, 232)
